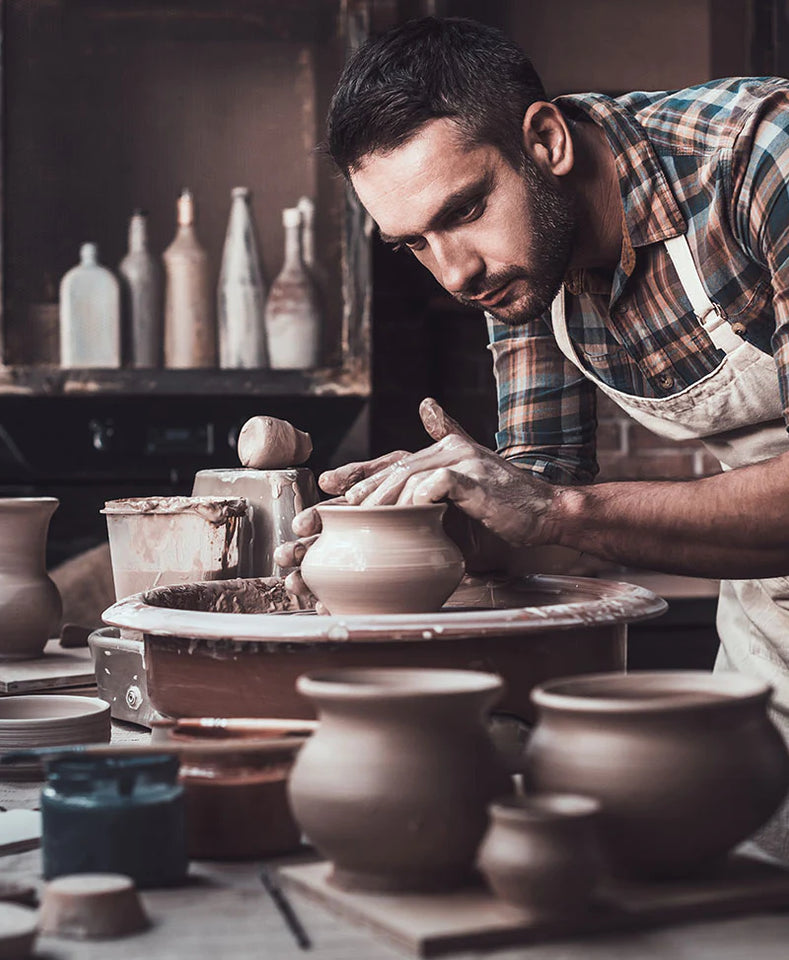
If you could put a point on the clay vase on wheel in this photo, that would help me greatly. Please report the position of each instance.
(30, 606)
(390, 559)
(685, 764)
(393, 788)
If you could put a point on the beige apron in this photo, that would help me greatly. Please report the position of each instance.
(740, 399)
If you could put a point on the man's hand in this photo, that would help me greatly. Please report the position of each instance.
(508, 501)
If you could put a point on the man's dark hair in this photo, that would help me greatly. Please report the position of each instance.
(430, 68)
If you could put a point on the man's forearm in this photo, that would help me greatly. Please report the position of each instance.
(733, 525)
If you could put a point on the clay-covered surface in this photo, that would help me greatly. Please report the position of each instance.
(260, 610)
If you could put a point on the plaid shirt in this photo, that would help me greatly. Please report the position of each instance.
(711, 161)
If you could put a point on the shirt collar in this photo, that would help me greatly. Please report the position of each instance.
(651, 212)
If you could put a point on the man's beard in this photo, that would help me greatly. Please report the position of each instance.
(552, 230)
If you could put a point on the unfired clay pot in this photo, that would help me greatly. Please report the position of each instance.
(685, 764)
(541, 853)
(390, 559)
(393, 788)
(30, 606)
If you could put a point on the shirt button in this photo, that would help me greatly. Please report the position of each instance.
(739, 328)
(665, 380)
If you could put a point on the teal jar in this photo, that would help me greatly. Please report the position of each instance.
(122, 814)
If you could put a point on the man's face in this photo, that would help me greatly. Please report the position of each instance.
(496, 238)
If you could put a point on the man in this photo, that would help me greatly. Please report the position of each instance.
(637, 245)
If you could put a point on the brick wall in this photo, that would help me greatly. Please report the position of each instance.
(424, 345)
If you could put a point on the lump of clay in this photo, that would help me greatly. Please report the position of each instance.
(266, 443)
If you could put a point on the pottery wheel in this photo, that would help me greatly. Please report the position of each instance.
(477, 608)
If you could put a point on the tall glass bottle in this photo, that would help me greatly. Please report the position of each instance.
(189, 319)
(141, 287)
(307, 210)
(90, 323)
(241, 294)
(293, 316)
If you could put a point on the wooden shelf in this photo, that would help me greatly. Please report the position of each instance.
(54, 381)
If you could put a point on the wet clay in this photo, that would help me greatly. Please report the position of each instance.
(254, 595)
(386, 559)
(266, 443)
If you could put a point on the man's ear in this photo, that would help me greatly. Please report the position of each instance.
(547, 139)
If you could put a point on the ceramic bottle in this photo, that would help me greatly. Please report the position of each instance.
(394, 785)
(30, 606)
(141, 286)
(90, 322)
(241, 294)
(293, 317)
(189, 320)
(306, 208)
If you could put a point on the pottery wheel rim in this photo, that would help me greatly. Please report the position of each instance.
(612, 602)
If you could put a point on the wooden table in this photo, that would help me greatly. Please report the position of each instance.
(225, 914)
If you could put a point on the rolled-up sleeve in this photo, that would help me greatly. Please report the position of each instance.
(546, 406)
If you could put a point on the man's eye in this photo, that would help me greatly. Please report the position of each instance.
(417, 243)
(469, 211)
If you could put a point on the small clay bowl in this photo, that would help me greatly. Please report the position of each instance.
(384, 559)
(541, 853)
(92, 906)
(18, 929)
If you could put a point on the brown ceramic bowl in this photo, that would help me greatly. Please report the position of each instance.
(685, 764)
(245, 663)
(91, 906)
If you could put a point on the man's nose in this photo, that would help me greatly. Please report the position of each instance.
(457, 264)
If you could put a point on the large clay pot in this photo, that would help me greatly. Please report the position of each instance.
(393, 788)
(30, 606)
(685, 764)
(541, 853)
(390, 559)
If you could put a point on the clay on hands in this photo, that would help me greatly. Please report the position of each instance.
(505, 499)
(266, 443)
(509, 501)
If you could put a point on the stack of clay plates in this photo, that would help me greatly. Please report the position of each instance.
(49, 721)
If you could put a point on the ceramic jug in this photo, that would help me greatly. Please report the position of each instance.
(394, 786)
(241, 294)
(685, 764)
(141, 285)
(30, 606)
(389, 559)
(541, 853)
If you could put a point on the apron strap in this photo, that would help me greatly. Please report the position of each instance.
(710, 316)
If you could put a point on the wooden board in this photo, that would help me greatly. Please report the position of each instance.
(57, 669)
(430, 925)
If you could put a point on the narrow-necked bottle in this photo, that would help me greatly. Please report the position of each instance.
(293, 316)
(241, 294)
(189, 320)
(307, 210)
(90, 324)
(141, 288)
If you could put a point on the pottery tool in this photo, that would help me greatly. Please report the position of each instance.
(285, 908)
(286, 727)
(169, 748)
(266, 443)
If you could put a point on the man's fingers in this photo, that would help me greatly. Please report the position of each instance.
(307, 523)
(291, 554)
(296, 586)
(438, 422)
(340, 480)
(386, 485)
(447, 484)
